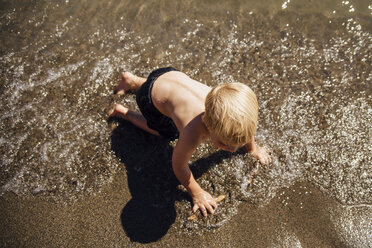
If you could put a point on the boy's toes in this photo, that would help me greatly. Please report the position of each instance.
(123, 85)
(119, 92)
(127, 76)
(111, 112)
(118, 111)
(120, 88)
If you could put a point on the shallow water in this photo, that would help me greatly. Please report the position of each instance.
(309, 63)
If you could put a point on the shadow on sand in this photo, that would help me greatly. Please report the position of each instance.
(149, 214)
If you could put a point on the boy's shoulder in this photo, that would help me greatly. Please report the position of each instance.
(195, 131)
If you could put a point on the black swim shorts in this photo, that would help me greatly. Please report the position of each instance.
(155, 120)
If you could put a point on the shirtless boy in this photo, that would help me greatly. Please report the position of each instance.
(175, 106)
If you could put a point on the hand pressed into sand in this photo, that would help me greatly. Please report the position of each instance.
(262, 154)
(195, 216)
(205, 202)
(259, 152)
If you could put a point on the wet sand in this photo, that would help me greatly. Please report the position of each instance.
(299, 216)
(70, 179)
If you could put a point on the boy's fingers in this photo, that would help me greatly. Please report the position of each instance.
(204, 211)
(210, 209)
(195, 207)
(269, 159)
(213, 204)
(265, 161)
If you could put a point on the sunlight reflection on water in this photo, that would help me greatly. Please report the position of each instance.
(311, 70)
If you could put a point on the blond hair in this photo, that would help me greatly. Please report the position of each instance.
(231, 112)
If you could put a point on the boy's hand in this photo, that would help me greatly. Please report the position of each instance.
(205, 202)
(262, 154)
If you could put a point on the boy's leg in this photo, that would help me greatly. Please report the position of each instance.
(135, 118)
(129, 82)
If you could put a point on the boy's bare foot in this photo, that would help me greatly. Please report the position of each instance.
(129, 82)
(118, 111)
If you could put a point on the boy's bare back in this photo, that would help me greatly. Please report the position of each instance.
(179, 97)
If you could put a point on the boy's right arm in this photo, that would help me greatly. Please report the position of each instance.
(181, 155)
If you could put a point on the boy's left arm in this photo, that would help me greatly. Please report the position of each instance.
(261, 153)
